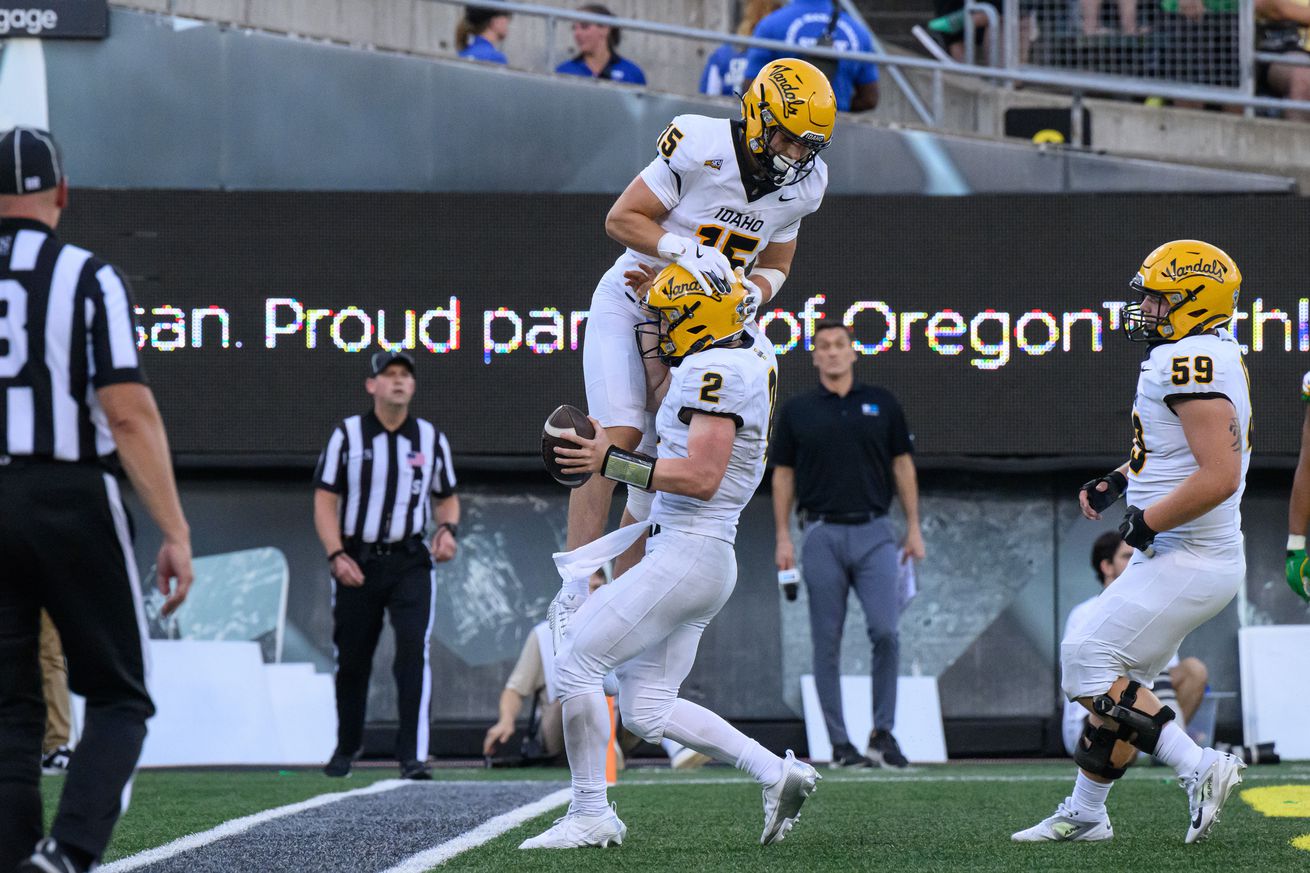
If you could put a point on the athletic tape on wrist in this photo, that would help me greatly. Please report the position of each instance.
(775, 278)
(630, 468)
(1295, 543)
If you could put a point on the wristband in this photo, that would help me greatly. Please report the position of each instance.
(450, 526)
(775, 278)
(630, 468)
(1295, 543)
(337, 554)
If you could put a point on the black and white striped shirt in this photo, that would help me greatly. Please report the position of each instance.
(384, 477)
(66, 329)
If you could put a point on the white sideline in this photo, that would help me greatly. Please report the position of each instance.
(484, 832)
(239, 825)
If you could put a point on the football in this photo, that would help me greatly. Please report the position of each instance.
(560, 425)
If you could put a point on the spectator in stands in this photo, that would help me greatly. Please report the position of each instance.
(480, 34)
(726, 69)
(1091, 15)
(1200, 41)
(1186, 678)
(597, 57)
(1283, 27)
(822, 23)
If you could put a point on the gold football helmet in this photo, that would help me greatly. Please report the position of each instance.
(793, 98)
(688, 317)
(1198, 281)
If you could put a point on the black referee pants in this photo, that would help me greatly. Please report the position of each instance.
(403, 585)
(65, 547)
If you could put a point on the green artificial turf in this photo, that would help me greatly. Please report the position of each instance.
(957, 817)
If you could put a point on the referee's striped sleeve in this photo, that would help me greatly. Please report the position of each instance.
(113, 329)
(443, 477)
(329, 476)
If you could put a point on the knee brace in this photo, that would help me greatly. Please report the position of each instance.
(1135, 727)
(1093, 750)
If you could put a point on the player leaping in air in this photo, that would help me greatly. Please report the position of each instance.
(1184, 480)
(719, 194)
(713, 426)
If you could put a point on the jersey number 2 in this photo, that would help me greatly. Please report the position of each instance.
(13, 328)
(710, 386)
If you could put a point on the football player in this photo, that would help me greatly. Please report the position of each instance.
(719, 194)
(713, 426)
(1184, 480)
(1298, 508)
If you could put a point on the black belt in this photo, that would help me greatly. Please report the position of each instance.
(410, 545)
(808, 517)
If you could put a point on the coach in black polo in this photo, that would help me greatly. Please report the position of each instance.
(841, 449)
(374, 484)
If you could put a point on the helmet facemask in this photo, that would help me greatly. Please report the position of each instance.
(775, 166)
(1142, 326)
(669, 337)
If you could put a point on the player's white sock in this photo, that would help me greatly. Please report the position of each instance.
(586, 735)
(1089, 797)
(697, 727)
(1178, 750)
(670, 747)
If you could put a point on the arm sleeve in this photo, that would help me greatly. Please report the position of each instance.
(328, 475)
(443, 475)
(901, 441)
(783, 451)
(113, 329)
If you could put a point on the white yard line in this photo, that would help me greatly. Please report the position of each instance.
(1145, 775)
(484, 832)
(240, 825)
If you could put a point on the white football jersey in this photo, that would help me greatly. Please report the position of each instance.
(736, 383)
(1197, 366)
(697, 176)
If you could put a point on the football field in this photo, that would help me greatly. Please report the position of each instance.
(934, 818)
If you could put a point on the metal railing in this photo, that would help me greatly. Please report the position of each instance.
(1077, 85)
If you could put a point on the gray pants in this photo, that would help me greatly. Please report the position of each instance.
(836, 558)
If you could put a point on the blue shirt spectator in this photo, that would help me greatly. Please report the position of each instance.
(802, 23)
(618, 69)
(725, 71)
(598, 56)
(480, 33)
(481, 49)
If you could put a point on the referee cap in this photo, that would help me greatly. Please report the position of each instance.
(382, 360)
(29, 161)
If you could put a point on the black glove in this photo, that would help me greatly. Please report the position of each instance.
(1135, 531)
(1116, 484)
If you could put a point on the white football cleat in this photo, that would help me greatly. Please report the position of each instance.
(575, 831)
(1207, 789)
(1067, 825)
(559, 612)
(783, 799)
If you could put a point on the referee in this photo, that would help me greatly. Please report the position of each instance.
(371, 505)
(841, 449)
(71, 393)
